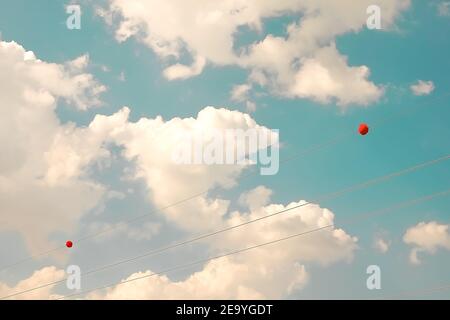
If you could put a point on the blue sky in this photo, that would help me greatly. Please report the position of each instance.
(407, 129)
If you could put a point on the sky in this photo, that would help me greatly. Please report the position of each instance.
(90, 116)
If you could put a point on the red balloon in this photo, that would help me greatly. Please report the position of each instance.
(363, 129)
(69, 244)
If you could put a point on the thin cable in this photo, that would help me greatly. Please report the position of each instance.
(185, 266)
(321, 199)
(132, 220)
(360, 216)
(137, 218)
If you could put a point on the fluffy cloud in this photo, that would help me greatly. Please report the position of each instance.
(43, 276)
(422, 88)
(206, 31)
(255, 198)
(180, 71)
(266, 272)
(151, 145)
(272, 271)
(36, 198)
(327, 76)
(427, 237)
(45, 160)
(47, 163)
(269, 272)
(219, 279)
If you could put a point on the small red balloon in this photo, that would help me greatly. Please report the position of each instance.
(69, 244)
(363, 129)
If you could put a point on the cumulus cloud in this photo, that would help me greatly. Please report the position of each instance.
(272, 271)
(42, 186)
(268, 272)
(422, 88)
(427, 237)
(151, 145)
(47, 164)
(327, 76)
(219, 279)
(42, 276)
(45, 160)
(206, 31)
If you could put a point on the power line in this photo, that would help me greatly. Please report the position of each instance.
(399, 205)
(140, 217)
(322, 198)
(185, 266)
(245, 175)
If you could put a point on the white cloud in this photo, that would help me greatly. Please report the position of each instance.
(327, 76)
(267, 272)
(181, 71)
(46, 163)
(80, 63)
(256, 198)
(68, 151)
(427, 237)
(42, 186)
(422, 88)
(220, 279)
(43, 276)
(206, 31)
(168, 181)
(334, 243)
(46, 81)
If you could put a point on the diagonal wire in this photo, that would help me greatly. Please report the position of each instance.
(137, 218)
(188, 265)
(400, 205)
